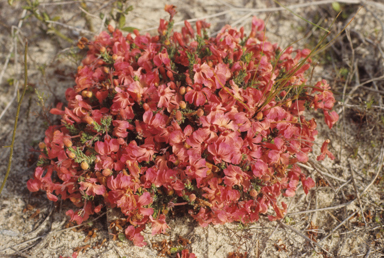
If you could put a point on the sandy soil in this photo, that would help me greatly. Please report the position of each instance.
(32, 226)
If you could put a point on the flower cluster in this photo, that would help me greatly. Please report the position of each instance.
(155, 122)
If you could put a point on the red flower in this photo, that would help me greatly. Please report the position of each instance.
(158, 225)
(165, 95)
(331, 118)
(81, 215)
(185, 254)
(92, 188)
(222, 74)
(308, 184)
(198, 95)
(203, 74)
(171, 9)
(197, 168)
(325, 151)
(235, 176)
(220, 152)
(134, 235)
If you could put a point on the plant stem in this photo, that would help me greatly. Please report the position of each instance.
(17, 116)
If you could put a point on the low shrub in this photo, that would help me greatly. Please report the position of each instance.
(213, 123)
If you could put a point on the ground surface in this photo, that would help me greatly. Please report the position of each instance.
(330, 215)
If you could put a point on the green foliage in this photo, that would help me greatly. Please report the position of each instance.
(129, 29)
(105, 124)
(41, 98)
(88, 137)
(106, 57)
(370, 103)
(176, 249)
(239, 79)
(80, 156)
(71, 128)
(247, 57)
(42, 162)
(73, 55)
(336, 6)
(118, 14)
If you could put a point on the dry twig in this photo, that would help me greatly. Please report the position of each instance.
(305, 237)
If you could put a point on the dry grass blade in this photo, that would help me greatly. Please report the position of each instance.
(20, 100)
(379, 168)
(357, 193)
(51, 232)
(322, 209)
(305, 237)
(338, 226)
(265, 10)
(325, 178)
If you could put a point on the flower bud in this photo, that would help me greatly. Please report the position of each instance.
(192, 197)
(182, 90)
(259, 116)
(107, 172)
(71, 155)
(121, 141)
(170, 75)
(114, 56)
(106, 69)
(84, 93)
(172, 85)
(200, 112)
(289, 103)
(102, 49)
(182, 104)
(189, 89)
(253, 193)
(111, 29)
(115, 82)
(188, 81)
(41, 145)
(88, 119)
(146, 106)
(179, 115)
(89, 94)
(84, 165)
(171, 192)
(67, 142)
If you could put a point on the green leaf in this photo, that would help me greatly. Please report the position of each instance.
(119, 5)
(121, 237)
(122, 21)
(46, 16)
(56, 18)
(370, 103)
(129, 9)
(336, 6)
(128, 29)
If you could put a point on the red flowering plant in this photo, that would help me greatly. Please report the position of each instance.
(155, 122)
